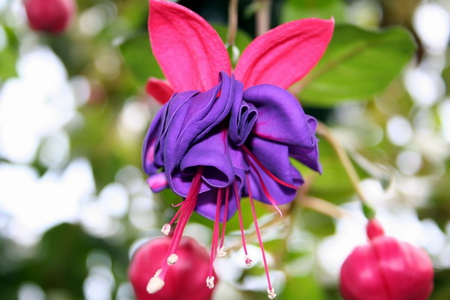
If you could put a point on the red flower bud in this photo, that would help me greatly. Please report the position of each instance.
(386, 269)
(51, 16)
(184, 280)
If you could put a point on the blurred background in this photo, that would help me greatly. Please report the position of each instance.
(74, 203)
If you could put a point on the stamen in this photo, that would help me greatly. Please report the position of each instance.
(215, 238)
(210, 282)
(172, 259)
(270, 290)
(261, 181)
(271, 293)
(166, 229)
(222, 253)
(248, 261)
(266, 170)
(155, 283)
(184, 213)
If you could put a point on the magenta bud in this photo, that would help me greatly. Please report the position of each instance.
(386, 269)
(52, 16)
(185, 279)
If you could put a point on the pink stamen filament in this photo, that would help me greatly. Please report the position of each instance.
(241, 223)
(266, 170)
(215, 236)
(255, 220)
(184, 213)
(225, 216)
(261, 181)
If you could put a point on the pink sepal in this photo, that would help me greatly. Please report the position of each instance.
(285, 54)
(159, 89)
(189, 51)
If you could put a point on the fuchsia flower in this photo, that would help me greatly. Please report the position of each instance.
(194, 261)
(386, 269)
(225, 135)
(51, 16)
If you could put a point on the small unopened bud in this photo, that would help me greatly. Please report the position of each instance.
(386, 268)
(210, 282)
(271, 293)
(52, 16)
(221, 252)
(172, 259)
(154, 285)
(166, 229)
(248, 261)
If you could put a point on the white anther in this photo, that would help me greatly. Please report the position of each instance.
(248, 261)
(271, 293)
(155, 284)
(210, 282)
(172, 259)
(166, 229)
(221, 253)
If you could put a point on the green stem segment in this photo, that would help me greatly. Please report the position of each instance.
(323, 130)
(263, 16)
(232, 21)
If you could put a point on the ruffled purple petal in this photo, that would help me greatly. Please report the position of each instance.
(308, 156)
(243, 117)
(280, 116)
(212, 153)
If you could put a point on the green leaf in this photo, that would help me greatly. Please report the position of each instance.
(303, 288)
(357, 65)
(140, 59)
(323, 9)
(8, 54)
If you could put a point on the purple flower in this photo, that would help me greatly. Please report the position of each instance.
(234, 136)
(217, 141)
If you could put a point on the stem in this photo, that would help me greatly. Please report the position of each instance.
(232, 21)
(323, 130)
(263, 16)
(322, 206)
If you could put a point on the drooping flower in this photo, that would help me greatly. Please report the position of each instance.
(51, 16)
(193, 265)
(225, 135)
(386, 269)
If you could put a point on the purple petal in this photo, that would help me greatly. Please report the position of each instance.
(280, 193)
(203, 113)
(243, 117)
(308, 156)
(275, 157)
(212, 153)
(207, 204)
(280, 116)
(157, 182)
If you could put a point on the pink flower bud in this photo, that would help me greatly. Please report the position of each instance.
(51, 16)
(185, 278)
(386, 269)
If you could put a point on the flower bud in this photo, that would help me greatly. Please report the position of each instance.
(51, 16)
(386, 269)
(185, 279)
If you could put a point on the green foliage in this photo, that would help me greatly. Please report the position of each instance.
(139, 58)
(357, 65)
(322, 9)
(9, 54)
